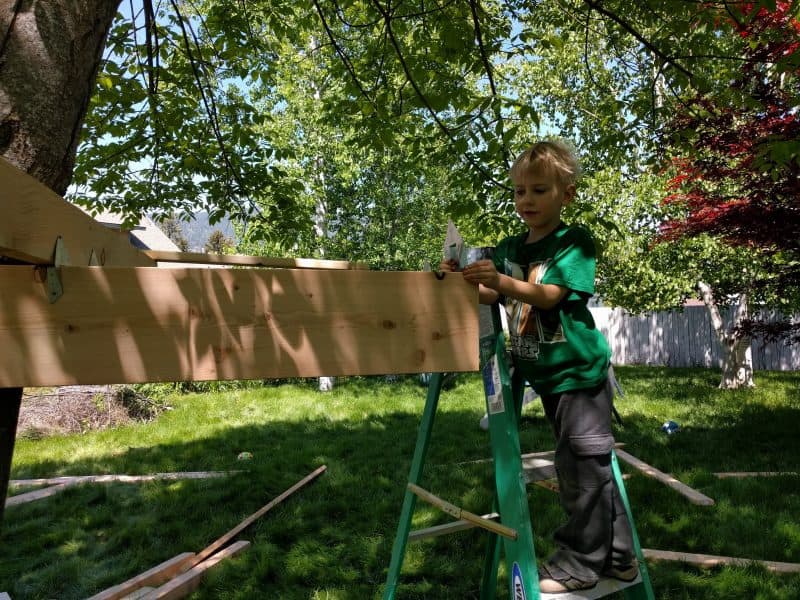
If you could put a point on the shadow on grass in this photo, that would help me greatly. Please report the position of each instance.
(333, 538)
(334, 534)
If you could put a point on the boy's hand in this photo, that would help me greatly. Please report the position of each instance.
(482, 271)
(449, 265)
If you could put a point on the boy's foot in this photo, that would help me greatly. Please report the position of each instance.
(553, 580)
(622, 572)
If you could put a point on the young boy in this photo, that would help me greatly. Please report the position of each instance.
(545, 277)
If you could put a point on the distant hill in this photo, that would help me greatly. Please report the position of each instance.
(198, 230)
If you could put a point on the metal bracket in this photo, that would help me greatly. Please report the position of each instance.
(53, 273)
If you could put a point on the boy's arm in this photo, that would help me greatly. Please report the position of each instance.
(539, 295)
(487, 295)
(494, 284)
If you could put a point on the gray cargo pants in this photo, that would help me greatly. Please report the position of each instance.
(597, 533)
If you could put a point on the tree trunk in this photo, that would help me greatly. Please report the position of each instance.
(737, 358)
(50, 53)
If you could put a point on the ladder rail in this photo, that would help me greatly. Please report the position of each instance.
(503, 395)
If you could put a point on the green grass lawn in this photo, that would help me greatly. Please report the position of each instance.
(333, 538)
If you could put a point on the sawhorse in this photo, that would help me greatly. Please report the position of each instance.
(513, 536)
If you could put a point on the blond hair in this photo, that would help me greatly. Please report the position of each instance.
(555, 156)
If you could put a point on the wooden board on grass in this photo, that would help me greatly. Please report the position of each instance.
(121, 478)
(132, 325)
(185, 583)
(693, 495)
(741, 475)
(57, 484)
(35, 495)
(227, 537)
(708, 561)
(150, 578)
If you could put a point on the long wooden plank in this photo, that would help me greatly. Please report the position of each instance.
(249, 261)
(447, 528)
(152, 577)
(227, 537)
(33, 217)
(461, 514)
(185, 583)
(130, 325)
(740, 475)
(693, 495)
(709, 561)
(119, 478)
(35, 495)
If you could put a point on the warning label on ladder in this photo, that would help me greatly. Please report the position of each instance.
(493, 386)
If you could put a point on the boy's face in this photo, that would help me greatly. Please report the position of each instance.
(539, 196)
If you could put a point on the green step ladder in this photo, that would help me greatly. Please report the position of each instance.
(513, 535)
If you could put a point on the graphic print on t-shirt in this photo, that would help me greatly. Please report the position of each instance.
(528, 326)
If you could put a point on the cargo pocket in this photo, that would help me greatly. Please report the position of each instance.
(591, 445)
(591, 467)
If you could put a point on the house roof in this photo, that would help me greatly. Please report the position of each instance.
(145, 236)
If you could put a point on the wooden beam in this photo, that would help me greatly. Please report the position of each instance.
(185, 583)
(114, 478)
(156, 576)
(34, 217)
(447, 528)
(227, 537)
(51, 490)
(460, 513)
(709, 561)
(693, 495)
(130, 325)
(57, 484)
(757, 474)
(249, 261)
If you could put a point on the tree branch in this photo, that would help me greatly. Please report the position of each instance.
(340, 52)
(487, 65)
(597, 5)
(434, 115)
(208, 103)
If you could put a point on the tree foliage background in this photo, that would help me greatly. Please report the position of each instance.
(354, 128)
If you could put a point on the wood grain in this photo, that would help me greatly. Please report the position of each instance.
(33, 217)
(130, 325)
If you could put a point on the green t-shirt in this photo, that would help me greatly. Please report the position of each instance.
(556, 350)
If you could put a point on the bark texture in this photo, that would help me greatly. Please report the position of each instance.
(50, 52)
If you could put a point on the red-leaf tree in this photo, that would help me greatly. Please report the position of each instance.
(738, 177)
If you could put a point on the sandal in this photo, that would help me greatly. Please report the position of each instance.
(554, 580)
(625, 573)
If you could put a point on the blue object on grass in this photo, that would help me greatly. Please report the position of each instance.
(670, 427)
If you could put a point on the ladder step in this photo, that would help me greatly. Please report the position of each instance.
(460, 513)
(604, 587)
(447, 528)
(536, 469)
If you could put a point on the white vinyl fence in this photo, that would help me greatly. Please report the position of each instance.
(680, 339)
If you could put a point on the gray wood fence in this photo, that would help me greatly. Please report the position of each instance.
(681, 339)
